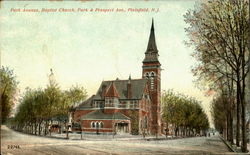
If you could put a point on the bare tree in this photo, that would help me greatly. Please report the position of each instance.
(219, 32)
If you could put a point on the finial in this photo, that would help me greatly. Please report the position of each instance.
(52, 80)
(152, 26)
(129, 79)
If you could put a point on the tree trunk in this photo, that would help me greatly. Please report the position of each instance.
(243, 127)
(45, 128)
(238, 111)
(243, 117)
(227, 126)
(230, 126)
(36, 128)
(32, 128)
(175, 131)
(60, 127)
(67, 131)
(39, 128)
(231, 108)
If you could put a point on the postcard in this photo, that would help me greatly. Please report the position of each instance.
(124, 77)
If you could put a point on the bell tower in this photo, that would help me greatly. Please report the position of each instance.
(151, 70)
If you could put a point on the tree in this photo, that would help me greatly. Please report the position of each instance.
(70, 97)
(76, 94)
(219, 114)
(134, 122)
(43, 105)
(184, 113)
(219, 32)
(8, 90)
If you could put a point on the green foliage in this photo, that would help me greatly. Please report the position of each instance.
(219, 31)
(8, 89)
(74, 95)
(44, 104)
(181, 110)
(134, 122)
(218, 113)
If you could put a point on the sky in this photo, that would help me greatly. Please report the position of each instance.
(85, 48)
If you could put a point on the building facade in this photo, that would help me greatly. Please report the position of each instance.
(126, 106)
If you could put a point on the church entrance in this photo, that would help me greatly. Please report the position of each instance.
(122, 127)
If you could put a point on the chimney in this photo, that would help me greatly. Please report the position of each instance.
(129, 90)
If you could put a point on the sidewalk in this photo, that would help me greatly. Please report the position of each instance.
(105, 137)
(234, 148)
(101, 137)
(110, 137)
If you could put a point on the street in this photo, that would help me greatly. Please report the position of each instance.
(17, 143)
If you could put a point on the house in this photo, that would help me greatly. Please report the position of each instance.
(126, 106)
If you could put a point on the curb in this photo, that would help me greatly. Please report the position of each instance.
(228, 145)
(101, 139)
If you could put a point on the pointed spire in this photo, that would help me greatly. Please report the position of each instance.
(152, 51)
(151, 42)
(112, 91)
(152, 26)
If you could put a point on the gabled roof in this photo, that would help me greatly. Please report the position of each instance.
(99, 115)
(137, 88)
(86, 103)
(111, 91)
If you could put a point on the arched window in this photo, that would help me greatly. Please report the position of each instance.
(92, 125)
(152, 74)
(97, 125)
(101, 124)
(146, 75)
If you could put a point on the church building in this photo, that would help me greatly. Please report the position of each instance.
(126, 106)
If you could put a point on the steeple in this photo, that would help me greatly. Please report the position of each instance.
(151, 70)
(52, 80)
(151, 54)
